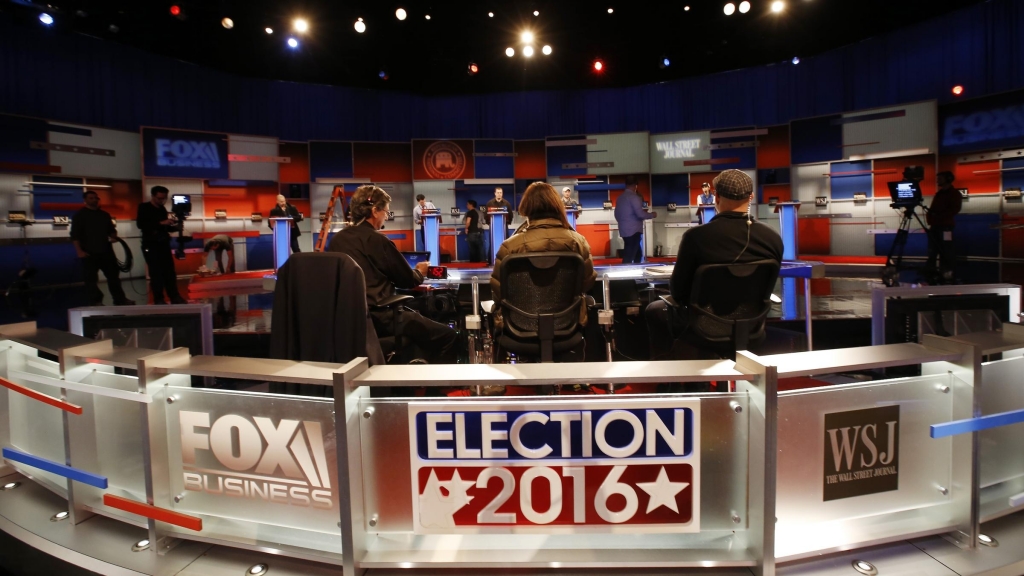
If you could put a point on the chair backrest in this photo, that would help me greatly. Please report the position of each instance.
(541, 284)
(730, 302)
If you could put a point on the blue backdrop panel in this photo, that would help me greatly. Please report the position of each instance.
(770, 176)
(259, 252)
(982, 124)
(816, 140)
(746, 158)
(494, 166)
(1013, 179)
(54, 263)
(670, 188)
(977, 272)
(560, 155)
(16, 136)
(917, 244)
(330, 160)
(844, 187)
(976, 235)
(62, 194)
(184, 154)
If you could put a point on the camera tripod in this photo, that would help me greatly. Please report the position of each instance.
(894, 262)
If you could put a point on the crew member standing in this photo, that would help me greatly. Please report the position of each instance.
(285, 210)
(630, 215)
(417, 216)
(474, 237)
(156, 226)
(92, 232)
(946, 204)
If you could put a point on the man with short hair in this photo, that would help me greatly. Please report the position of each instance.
(941, 218)
(219, 244)
(285, 210)
(731, 237)
(92, 232)
(567, 200)
(474, 237)
(630, 216)
(705, 198)
(156, 226)
(499, 202)
(417, 215)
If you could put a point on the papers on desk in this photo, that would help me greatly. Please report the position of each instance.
(660, 270)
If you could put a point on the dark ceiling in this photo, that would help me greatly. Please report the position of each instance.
(431, 56)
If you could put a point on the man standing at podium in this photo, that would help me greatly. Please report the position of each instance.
(285, 210)
(499, 202)
(417, 216)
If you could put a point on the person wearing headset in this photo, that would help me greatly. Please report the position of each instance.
(384, 269)
(731, 237)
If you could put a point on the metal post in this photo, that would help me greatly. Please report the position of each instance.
(606, 296)
(479, 389)
(807, 313)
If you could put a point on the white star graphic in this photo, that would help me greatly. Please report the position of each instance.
(662, 492)
(457, 488)
(438, 510)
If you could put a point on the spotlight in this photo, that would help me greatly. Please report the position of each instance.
(300, 25)
(175, 10)
(778, 6)
(729, 9)
(744, 7)
(383, 75)
(293, 43)
(526, 37)
(528, 51)
(536, 12)
(686, 8)
(360, 26)
(268, 30)
(46, 18)
(227, 23)
(546, 50)
(510, 51)
(795, 60)
(113, 29)
(400, 14)
(427, 16)
(611, 10)
(665, 62)
(472, 69)
(958, 90)
(598, 65)
(490, 14)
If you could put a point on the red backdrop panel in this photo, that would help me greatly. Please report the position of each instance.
(296, 171)
(891, 170)
(989, 181)
(815, 236)
(382, 161)
(1013, 239)
(773, 148)
(531, 159)
(598, 237)
(784, 192)
(696, 180)
(451, 153)
(244, 200)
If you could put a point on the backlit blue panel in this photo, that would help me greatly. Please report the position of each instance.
(670, 188)
(493, 166)
(330, 160)
(560, 155)
(844, 186)
(816, 140)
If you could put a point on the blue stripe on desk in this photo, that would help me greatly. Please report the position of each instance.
(55, 468)
(977, 424)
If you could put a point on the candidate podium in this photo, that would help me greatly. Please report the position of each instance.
(432, 234)
(788, 213)
(571, 212)
(499, 228)
(282, 241)
(705, 212)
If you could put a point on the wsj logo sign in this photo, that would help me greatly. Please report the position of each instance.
(283, 464)
(187, 153)
(996, 124)
(679, 148)
(861, 452)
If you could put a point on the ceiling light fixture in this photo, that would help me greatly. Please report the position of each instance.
(778, 6)
(528, 51)
(744, 7)
(796, 60)
(510, 51)
(546, 50)
(293, 43)
(598, 66)
(268, 30)
(46, 19)
(360, 26)
(526, 37)
(401, 14)
(611, 10)
(113, 29)
(729, 9)
(427, 16)
(490, 14)
(227, 23)
(472, 69)
(175, 10)
(536, 13)
(383, 75)
(665, 62)
(686, 8)
(958, 90)
(300, 25)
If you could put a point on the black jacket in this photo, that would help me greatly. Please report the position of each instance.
(148, 219)
(292, 212)
(92, 229)
(320, 314)
(720, 241)
(383, 265)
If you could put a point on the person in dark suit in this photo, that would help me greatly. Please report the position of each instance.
(92, 232)
(285, 210)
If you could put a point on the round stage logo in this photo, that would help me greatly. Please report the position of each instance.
(444, 160)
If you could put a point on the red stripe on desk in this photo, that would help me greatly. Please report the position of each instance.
(56, 402)
(147, 511)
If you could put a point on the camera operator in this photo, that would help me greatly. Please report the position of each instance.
(946, 204)
(156, 226)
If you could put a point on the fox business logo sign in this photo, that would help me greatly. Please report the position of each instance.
(187, 153)
(283, 463)
(550, 467)
(861, 452)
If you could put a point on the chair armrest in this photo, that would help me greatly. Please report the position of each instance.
(591, 302)
(668, 299)
(392, 301)
(487, 306)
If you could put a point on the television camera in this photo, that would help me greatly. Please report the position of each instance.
(181, 207)
(906, 198)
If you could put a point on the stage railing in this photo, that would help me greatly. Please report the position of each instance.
(650, 481)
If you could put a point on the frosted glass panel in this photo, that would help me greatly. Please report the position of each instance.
(856, 463)
(37, 428)
(1000, 456)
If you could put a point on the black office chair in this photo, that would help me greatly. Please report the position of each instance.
(396, 347)
(728, 306)
(540, 307)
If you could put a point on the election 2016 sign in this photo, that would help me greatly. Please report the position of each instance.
(627, 466)
(184, 154)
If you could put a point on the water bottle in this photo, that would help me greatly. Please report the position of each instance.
(487, 349)
(473, 345)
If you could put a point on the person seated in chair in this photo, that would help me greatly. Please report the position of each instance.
(731, 237)
(546, 230)
(384, 269)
